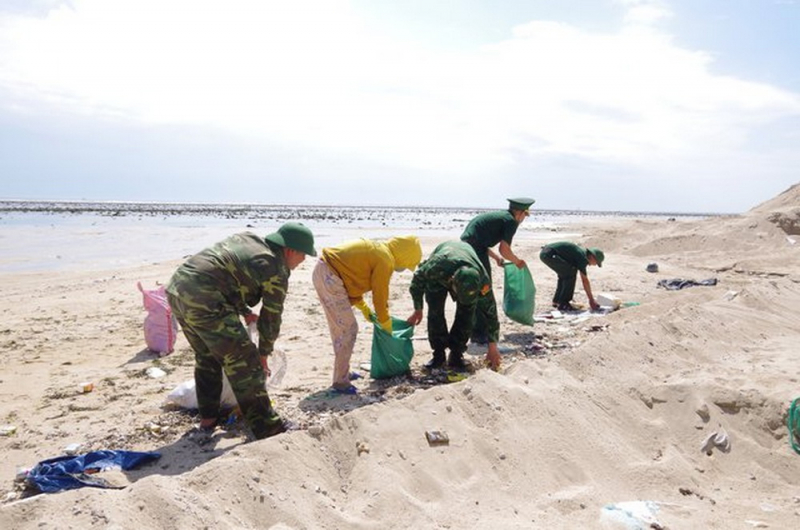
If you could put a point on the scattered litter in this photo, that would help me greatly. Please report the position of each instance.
(365, 366)
(717, 439)
(597, 327)
(675, 284)
(70, 472)
(608, 300)
(730, 295)
(362, 447)
(437, 438)
(155, 372)
(85, 387)
(7, 430)
(634, 515)
(72, 449)
(652, 267)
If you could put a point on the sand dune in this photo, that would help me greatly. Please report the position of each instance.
(583, 417)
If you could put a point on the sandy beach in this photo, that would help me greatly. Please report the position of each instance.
(592, 421)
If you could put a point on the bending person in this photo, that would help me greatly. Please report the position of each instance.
(209, 294)
(452, 269)
(343, 275)
(483, 232)
(567, 260)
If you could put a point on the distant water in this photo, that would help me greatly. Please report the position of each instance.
(44, 235)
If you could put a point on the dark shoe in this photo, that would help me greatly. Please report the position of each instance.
(437, 361)
(201, 435)
(456, 362)
(479, 338)
(349, 390)
(568, 308)
(281, 427)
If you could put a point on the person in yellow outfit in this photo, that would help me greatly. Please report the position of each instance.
(343, 275)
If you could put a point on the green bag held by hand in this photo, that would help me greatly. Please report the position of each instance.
(391, 352)
(519, 294)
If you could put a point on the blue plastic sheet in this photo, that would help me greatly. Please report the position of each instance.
(70, 472)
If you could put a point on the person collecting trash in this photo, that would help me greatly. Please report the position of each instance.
(483, 232)
(567, 259)
(210, 292)
(343, 275)
(452, 269)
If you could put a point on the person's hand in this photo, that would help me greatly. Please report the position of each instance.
(386, 325)
(594, 305)
(499, 260)
(366, 311)
(250, 318)
(265, 366)
(493, 359)
(520, 264)
(415, 318)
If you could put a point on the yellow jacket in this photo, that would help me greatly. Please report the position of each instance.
(365, 265)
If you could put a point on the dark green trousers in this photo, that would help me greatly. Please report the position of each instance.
(486, 320)
(567, 274)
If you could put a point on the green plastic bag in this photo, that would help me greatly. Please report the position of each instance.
(519, 294)
(391, 352)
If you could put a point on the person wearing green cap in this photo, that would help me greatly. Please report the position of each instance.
(567, 260)
(209, 295)
(453, 269)
(483, 232)
(343, 275)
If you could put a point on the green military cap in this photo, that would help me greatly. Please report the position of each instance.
(295, 236)
(520, 203)
(598, 255)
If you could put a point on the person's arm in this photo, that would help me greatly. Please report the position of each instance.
(380, 295)
(587, 287)
(507, 253)
(270, 318)
(417, 291)
(492, 254)
(415, 318)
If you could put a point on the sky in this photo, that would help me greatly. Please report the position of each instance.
(622, 105)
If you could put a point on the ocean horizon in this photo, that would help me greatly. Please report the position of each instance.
(41, 235)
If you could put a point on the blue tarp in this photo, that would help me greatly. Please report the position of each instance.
(70, 472)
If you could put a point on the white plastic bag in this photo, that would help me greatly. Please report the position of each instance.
(185, 395)
(160, 326)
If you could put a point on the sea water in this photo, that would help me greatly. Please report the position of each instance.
(60, 235)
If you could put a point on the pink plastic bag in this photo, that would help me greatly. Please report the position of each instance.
(160, 326)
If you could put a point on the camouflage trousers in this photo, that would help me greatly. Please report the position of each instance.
(221, 345)
(486, 320)
(438, 336)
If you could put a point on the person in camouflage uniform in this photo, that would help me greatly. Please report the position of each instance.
(483, 232)
(452, 269)
(211, 292)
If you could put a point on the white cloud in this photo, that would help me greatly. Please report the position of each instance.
(314, 73)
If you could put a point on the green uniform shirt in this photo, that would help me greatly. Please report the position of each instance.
(573, 254)
(490, 228)
(437, 271)
(234, 275)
